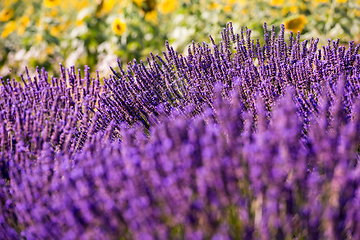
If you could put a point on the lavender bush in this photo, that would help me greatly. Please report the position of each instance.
(236, 140)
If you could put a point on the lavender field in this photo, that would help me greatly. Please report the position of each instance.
(233, 140)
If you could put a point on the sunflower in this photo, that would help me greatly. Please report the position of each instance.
(296, 24)
(6, 14)
(8, 29)
(104, 7)
(118, 26)
(147, 5)
(51, 3)
(151, 16)
(168, 6)
(276, 2)
(24, 22)
(138, 2)
(38, 37)
(55, 31)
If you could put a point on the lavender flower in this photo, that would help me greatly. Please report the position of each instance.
(236, 140)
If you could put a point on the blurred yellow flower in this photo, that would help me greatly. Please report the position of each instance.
(296, 24)
(21, 31)
(357, 12)
(38, 23)
(151, 16)
(55, 30)
(138, 2)
(294, 9)
(104, 7)
(82, 15)
(341, 1)
(38, 37)
(80, 4)
(79, 22)
(322, 1)
(276, 2)
(108, 5)
(54, 12)
(9, 2)
(213, 6)
(241, 2)
(286, 10)
(49, 50)
(230, 2)
(6, 14)
(303, 6)
(118, 26)
(51, 3)
(24, 22)
(227, 8)
(8, 29)
(168, 6)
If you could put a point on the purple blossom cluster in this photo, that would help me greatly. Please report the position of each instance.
(237, 140)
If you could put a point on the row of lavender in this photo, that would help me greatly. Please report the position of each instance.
(238, 141)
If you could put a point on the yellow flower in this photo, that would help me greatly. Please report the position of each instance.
(38, 23)
(49, 50)
(51, 3)
(357, 12)
(118, 26)
(151, 16)
(6, 14)
(284, 11)
(24, 22)
(147, 6)
(213, 6)
(54, 12)
(7, 3)
(303, 6)
(82, 15)
(104, 7)
(276, 2)
(55, 30)
(138, 2)
(38, 37)
(230, 2)
(21, 31)
(78, 5)
(108, 5)
(79, 22)
(294, 9)
(8, 29)
(241, 2)
(341, 1)
(296, 24)
(227, 8)
(168, 6)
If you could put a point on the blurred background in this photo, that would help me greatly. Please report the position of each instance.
(96, 32)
